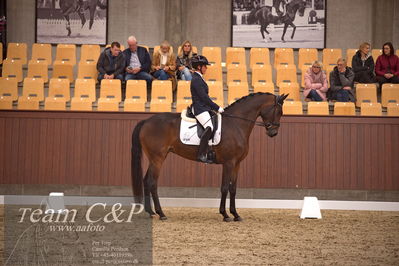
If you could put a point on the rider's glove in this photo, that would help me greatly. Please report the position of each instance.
(221, 110)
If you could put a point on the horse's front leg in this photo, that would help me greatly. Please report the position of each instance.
(268, 33)
(293, 31)
(92, 10)
(284, 31)
(232, 190)
(68, 25)
(262, 29)
(227, 173)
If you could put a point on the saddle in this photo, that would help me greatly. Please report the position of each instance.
(200, 128)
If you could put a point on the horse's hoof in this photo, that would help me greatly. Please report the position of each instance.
(163, 218)
(238, 219)
(227, 219)
(270, 39)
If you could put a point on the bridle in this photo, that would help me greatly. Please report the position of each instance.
(267, 125)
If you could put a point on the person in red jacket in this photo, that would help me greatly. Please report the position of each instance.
(387, 65)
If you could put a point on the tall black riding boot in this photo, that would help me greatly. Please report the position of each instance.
(203, 147)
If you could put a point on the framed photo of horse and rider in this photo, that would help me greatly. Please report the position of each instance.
(71, 21)
(279, 23)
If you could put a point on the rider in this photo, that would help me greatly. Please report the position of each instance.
(202, 104)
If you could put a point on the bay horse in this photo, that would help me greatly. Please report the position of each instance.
(264, 16)
(70, 6)
(159, 135)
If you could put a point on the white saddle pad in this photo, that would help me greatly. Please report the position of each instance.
(189, 135)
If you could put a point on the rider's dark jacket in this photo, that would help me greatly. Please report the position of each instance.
(199, 93)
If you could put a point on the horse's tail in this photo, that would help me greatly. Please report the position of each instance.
(137, 170)
(101, 5)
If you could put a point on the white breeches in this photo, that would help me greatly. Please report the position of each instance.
(205, 119)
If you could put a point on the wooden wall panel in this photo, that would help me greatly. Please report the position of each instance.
(93, 148)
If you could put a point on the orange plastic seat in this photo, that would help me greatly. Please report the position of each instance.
(307, 56)
(90, 53)
(161, 96)
(84, 95)
(389, 93)
(344, 108)
(331, 56)
(259, 56)
(371, 109)
(12, 69)
(66, 53)
(17, 51)
(213, 54)
(110, 95)
(136, 96)
(261, 73)
(38, 69)
(292, 108)
(235, 55)
(283, 56)
(366, 93)
(236, 91)
(216, 92)
(286, 73)
(42, 52)
(318, 108)
(236, 73)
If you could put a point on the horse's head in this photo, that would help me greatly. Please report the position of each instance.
(301, 9)
(297, 5)
(271, 115)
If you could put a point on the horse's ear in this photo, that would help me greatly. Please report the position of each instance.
(282, 97)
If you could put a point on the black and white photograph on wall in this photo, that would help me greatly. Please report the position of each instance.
(279, 23)
(71, 21)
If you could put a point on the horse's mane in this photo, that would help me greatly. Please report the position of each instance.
(251, 95)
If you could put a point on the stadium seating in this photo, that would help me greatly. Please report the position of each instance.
(292, 108)
(236, 73)
(87, 70)
(32, 94)
(59, 88)
(84, 95)
(66, 53)
(349, 55)
(42, 52)
(8, 92)
(261, 73)
(291, 88)
(264, 87)
(393, 109)
(89, 53)
(235, 55)
(330, 56)
(376, 53)
(259, 56)
(307, 56)
(12, 69)
(216, 92)
(110, 95)
(389, 93)
(283, 56)
(136, 96)
(344, 108)
(214, 73)
(236, 90)
(17, 51)
(286, 73)
(156, 48)
(366, 93)
(213, 54)
(63, 69)
(38, 69)
(318, 108)
(370, 109)
(183, 95)
(161, 96)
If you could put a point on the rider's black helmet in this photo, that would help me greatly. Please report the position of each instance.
(199, 60)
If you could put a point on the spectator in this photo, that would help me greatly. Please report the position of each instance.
(137, 62)
(341, 83)
(315, 83)
(164, 64)
(111, 63)
(363, 64)
(387, 66)
(183, 61)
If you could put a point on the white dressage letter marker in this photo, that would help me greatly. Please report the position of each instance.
(310, 208)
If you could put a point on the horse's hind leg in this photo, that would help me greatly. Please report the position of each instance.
(262, 29)
(147, 193)
(232, 190)
(68, 25)
(82, 18)
(152, 185)
(92, 10)
(284, 31)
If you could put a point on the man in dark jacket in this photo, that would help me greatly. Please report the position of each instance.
(111, 64)
(363, 65)
(137, 62)
(341, 83)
